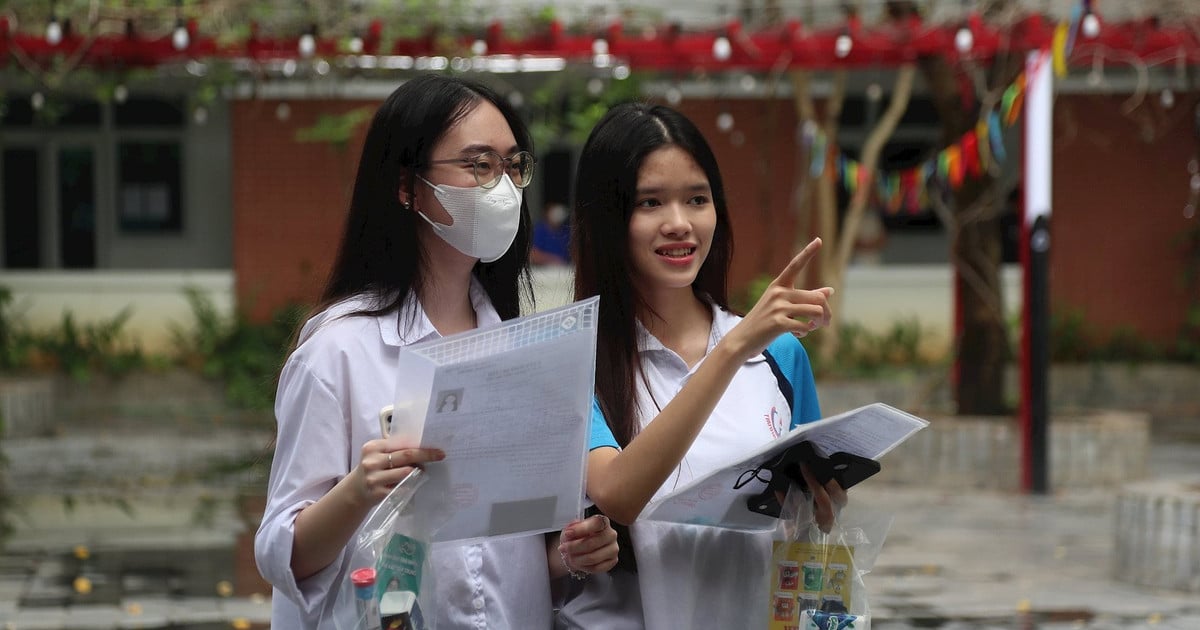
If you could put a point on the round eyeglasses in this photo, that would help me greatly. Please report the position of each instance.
(489, 166)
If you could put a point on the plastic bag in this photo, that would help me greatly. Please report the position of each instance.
(389, 564)
(697, 576)
(816, 577)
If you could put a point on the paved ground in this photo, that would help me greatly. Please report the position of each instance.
(982, 561)
(999, 561)
(129, 529)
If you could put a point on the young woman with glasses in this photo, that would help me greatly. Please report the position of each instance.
(436, 242)
(682, 386)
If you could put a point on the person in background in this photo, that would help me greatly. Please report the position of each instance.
(552, 237)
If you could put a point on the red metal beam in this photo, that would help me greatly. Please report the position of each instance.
(789, 45)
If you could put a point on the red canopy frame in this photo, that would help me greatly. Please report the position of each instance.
(670, 48)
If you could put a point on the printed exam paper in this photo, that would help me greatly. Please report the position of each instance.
(510, 406)
(869, 431)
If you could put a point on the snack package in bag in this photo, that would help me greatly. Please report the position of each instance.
(389, 565)
(816, 577)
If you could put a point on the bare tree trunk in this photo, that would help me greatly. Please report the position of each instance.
(827, 186)
(839, 241)
(843, 248)
(983, 350)
(804, 194)
(823, 190)
(818, 194)
(981, 343)
(901, 94)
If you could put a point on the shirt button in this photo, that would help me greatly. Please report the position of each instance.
(478, 603)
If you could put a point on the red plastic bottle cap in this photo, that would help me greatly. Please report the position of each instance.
(363, 577)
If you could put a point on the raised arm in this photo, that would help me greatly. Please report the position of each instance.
(621, 482)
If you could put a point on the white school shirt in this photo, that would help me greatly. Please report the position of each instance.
(330, 393)
(692, 576)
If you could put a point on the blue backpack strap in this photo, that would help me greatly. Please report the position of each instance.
(787, 357)
(785, 383)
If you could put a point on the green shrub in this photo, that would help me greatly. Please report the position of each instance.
(862, 352)
(1074, 340)
(80, 350)
(15, 343)
(1188, 345)
(1126, 344)
(245, 355)
(1068, 337)
(83, 349)
(901, 344)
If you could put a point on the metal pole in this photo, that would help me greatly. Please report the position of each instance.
(1035, 347)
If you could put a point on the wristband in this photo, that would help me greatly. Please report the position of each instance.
(577, 575)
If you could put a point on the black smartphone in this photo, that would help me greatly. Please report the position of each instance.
(849, 469)
(846, 468)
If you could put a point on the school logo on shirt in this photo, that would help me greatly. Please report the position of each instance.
(774, 422)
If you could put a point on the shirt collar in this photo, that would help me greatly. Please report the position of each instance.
(723, 322)
(410, 324)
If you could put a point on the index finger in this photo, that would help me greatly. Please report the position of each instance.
(413, 456)
(791, 272)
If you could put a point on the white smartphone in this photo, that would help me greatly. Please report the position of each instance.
(395, 420)
(385, 421)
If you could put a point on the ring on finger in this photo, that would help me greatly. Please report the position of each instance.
(390, 465)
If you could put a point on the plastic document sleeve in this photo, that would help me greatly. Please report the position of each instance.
(510, 406)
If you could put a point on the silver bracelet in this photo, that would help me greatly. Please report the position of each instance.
(577, 575)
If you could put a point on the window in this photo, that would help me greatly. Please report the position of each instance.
(22, 236)
(149, 182)
(18, 111)
(148, 113)
(77, 207)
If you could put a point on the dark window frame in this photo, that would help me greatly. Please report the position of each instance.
(146, 182)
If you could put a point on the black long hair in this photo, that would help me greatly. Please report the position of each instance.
(380, 254)
(606, 188)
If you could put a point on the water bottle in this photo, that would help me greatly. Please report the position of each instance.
(364, 598)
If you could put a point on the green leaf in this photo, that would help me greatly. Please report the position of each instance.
(335, 129)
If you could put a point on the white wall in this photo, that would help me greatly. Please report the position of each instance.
(156, 299)
(875, 296)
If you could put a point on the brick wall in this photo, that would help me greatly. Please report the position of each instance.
(757, 159)
(1120, 185)
(289, 201)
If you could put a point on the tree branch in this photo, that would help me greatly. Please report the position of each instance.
(901, 94)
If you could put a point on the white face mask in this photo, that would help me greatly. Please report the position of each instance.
(486, 220)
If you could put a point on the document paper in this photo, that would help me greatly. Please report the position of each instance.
(510, 406)
(869, 431)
